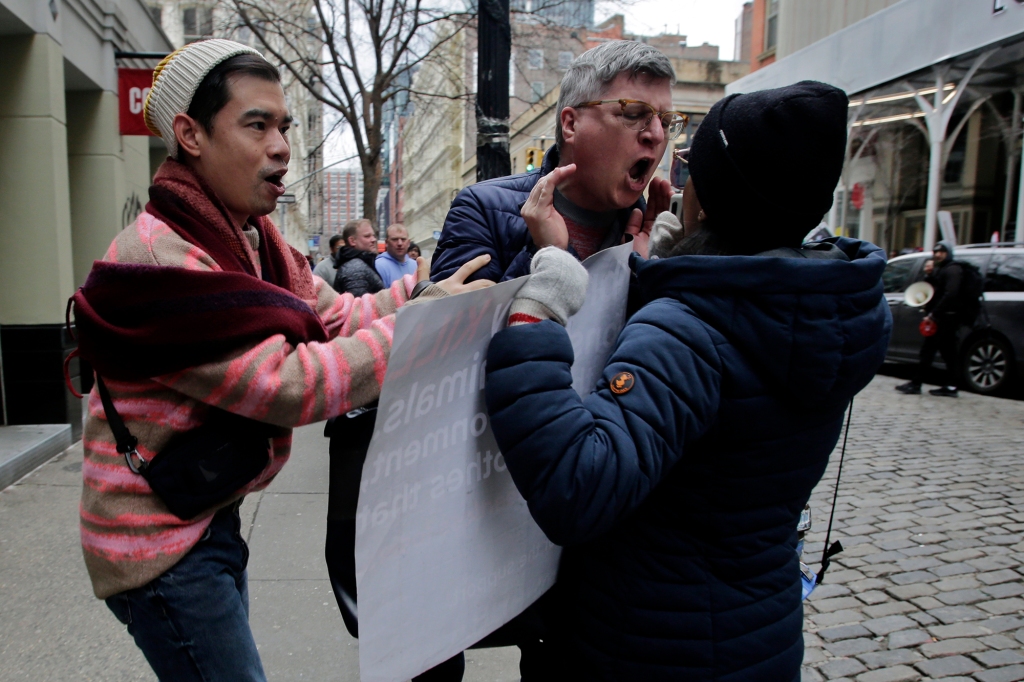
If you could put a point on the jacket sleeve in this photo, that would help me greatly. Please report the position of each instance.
(584, 464)
(468, 232)
(323, 270)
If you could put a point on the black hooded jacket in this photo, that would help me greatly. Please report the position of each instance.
(356, 272)
(948, 280)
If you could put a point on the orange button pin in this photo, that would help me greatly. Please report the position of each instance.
(621, 383)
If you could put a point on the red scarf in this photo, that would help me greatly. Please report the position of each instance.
(185, 202)
(140, 321)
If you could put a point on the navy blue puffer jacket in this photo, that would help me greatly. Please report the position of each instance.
(677, 500)
(484, 218)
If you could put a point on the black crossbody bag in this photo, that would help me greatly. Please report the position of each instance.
(198, 469)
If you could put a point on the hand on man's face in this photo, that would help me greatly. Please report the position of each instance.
(546, 225)
(614, 163)
(659, 197)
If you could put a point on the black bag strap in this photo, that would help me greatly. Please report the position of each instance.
(127, 444)
(835, 548)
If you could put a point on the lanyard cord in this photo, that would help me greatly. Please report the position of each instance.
(831, 550)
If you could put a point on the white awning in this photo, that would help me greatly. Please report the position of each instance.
(891, 44)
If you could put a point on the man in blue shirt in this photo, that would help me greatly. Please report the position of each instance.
(393, 264)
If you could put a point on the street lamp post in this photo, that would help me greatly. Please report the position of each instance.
(494, 50)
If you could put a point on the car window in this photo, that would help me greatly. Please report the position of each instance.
(897, 275)
(1006, 273)
(977, 260)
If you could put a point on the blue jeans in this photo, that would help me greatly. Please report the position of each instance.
(192, 623)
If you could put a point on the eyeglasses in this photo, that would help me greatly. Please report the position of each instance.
(637, 115)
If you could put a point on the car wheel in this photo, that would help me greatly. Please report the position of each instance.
(987, 365)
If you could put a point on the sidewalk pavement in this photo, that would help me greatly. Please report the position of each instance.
(23, 448)
(53, 629)
(930, 585)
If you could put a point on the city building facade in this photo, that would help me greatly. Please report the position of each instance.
(935, 115)
(71, 182)
(343, 198)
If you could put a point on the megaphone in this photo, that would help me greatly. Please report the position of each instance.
(918, 294)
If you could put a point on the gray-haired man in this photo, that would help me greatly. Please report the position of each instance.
(614, 122)
(613, 125)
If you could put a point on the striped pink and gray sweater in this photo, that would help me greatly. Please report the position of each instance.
(128, 536)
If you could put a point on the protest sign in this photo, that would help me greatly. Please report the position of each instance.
(446, 549)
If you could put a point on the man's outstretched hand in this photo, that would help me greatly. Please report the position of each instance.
(659, 197)
(456, 284)
(547, 228)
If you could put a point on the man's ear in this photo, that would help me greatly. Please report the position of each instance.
(189, 134)
(567, 120)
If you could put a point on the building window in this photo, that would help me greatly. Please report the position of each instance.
(197, 22)
(537, 91)
(535, 59)
(157, 12)
(771, 25)
(564, 60)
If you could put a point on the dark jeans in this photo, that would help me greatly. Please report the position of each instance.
(944, 342)
(192, 623)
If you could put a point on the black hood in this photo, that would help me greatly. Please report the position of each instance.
(347, 253)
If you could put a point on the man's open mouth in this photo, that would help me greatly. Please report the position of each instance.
(276, 183)
(638, 171)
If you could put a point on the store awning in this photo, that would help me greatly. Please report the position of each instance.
(918, 62)
(901, 40)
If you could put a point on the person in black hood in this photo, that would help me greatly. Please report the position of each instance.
(950, 309)
(354, 261)
(676, 482)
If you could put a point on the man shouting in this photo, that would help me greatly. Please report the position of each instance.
(209, 335)
(613, 125)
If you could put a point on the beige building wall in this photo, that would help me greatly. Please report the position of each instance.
(802, 22)
(434, 146)
(35, 223)
(108, 174)
(69, 183)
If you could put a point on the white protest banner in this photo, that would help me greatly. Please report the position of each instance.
(446, 549)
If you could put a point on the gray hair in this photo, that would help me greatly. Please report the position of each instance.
(589, 74)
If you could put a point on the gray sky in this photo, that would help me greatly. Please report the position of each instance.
(711, 21)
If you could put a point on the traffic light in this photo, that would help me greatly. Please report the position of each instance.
(533, 158)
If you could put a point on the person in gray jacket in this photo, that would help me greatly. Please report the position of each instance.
(354, 261)
(325, 269)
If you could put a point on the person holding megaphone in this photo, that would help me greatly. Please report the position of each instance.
(951, 303)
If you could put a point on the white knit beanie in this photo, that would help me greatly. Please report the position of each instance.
(176, 79)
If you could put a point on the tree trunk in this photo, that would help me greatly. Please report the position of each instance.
(371, 186)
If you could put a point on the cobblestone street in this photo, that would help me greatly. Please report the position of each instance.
(930, 514)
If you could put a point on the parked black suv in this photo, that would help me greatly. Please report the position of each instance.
(993, 351)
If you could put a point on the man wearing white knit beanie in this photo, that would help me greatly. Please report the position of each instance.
(210, 339)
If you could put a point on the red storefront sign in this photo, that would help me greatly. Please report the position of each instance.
(857, 196)
(132, 88)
